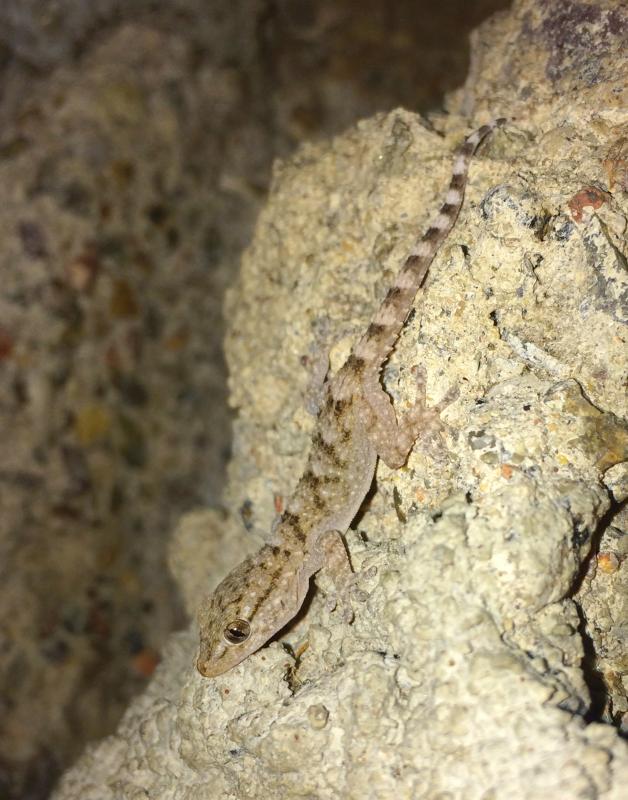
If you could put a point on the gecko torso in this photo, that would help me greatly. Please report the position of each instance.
(356, 424)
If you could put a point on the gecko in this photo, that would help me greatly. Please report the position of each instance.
(356, 425)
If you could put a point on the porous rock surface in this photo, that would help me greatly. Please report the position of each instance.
(136, 142)
(487, 660)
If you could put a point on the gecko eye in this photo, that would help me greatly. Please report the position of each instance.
(237, 631)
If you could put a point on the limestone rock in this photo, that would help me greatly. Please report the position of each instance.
(469, 671)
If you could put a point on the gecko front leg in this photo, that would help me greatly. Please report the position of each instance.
(330, 554)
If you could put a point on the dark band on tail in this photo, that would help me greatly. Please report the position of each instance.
(389, 318)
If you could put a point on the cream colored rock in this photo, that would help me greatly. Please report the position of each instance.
(467, 673)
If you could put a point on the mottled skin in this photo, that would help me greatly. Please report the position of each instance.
(356, 424)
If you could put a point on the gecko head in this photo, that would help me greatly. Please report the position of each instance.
(225, 642)
(242, 614)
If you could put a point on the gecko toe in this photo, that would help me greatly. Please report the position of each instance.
(360, 595)
(347, 614)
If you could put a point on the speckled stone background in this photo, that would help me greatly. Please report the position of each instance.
(488, 659)
(136, 142)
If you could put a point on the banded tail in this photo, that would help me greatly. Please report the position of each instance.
(381, 334)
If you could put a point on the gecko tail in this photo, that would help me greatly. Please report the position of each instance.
(389, 318)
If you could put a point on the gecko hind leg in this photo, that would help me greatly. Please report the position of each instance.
(393, 438)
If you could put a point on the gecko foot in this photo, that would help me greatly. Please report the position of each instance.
(420, 377)
(430, 425)
(392, 435)
(342, 605)
(338, 567)
(341, 600)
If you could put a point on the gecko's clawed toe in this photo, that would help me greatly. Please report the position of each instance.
(369, 573)
(347, 615)
(448, 398)
(341, 601)
(420, 379)
(340, 604)
(360, 595)
(331, 601)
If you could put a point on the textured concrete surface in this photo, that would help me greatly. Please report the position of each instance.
(136, 141)
(108, 306)
(487, 661)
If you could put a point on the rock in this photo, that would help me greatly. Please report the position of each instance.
(473, 669)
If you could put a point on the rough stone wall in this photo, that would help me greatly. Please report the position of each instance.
(489, 658)
(136, 141)
(111, 382)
